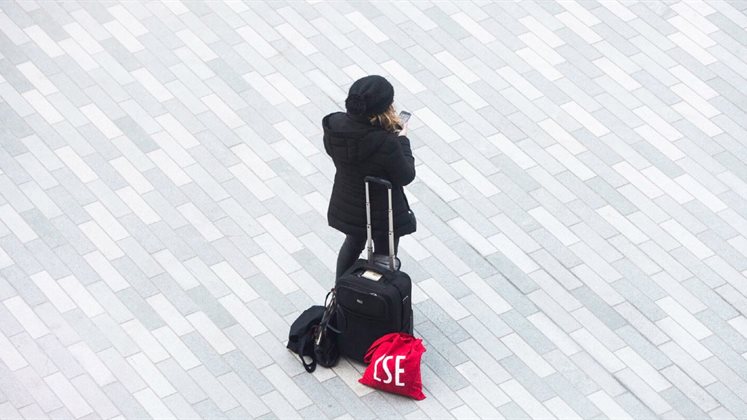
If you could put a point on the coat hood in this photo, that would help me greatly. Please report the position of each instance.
(349, 138)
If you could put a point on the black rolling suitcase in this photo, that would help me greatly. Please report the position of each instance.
(373, 296)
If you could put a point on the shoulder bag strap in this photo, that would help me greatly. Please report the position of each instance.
(310, 367)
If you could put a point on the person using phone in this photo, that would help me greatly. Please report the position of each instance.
(369, 138)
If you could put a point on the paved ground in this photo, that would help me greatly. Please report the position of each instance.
(581, 195)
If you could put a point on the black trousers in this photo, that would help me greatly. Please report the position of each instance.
(353, 246)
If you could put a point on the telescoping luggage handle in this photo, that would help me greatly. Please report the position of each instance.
(369, 236)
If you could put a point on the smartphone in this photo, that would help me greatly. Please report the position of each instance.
(404, 116)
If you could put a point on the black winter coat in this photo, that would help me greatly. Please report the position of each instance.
(360, 149)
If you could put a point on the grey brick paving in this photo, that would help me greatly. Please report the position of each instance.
(582, 206)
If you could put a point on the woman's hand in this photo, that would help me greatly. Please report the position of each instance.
(403, 131)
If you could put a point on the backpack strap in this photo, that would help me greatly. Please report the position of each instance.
(310, 367)
(330, 308)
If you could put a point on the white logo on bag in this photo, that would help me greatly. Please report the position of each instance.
(397, 370)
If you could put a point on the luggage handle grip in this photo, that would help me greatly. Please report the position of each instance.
(378, 180)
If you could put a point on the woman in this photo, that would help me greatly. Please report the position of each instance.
(366, 140)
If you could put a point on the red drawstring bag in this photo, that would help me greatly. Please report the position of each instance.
(394, 365)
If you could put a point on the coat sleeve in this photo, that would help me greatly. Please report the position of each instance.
(402, 164)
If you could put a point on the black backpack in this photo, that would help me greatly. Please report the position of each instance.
(313, 335)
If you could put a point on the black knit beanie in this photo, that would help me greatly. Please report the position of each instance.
(369, 95)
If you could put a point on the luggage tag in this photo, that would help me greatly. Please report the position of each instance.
(371, 275)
